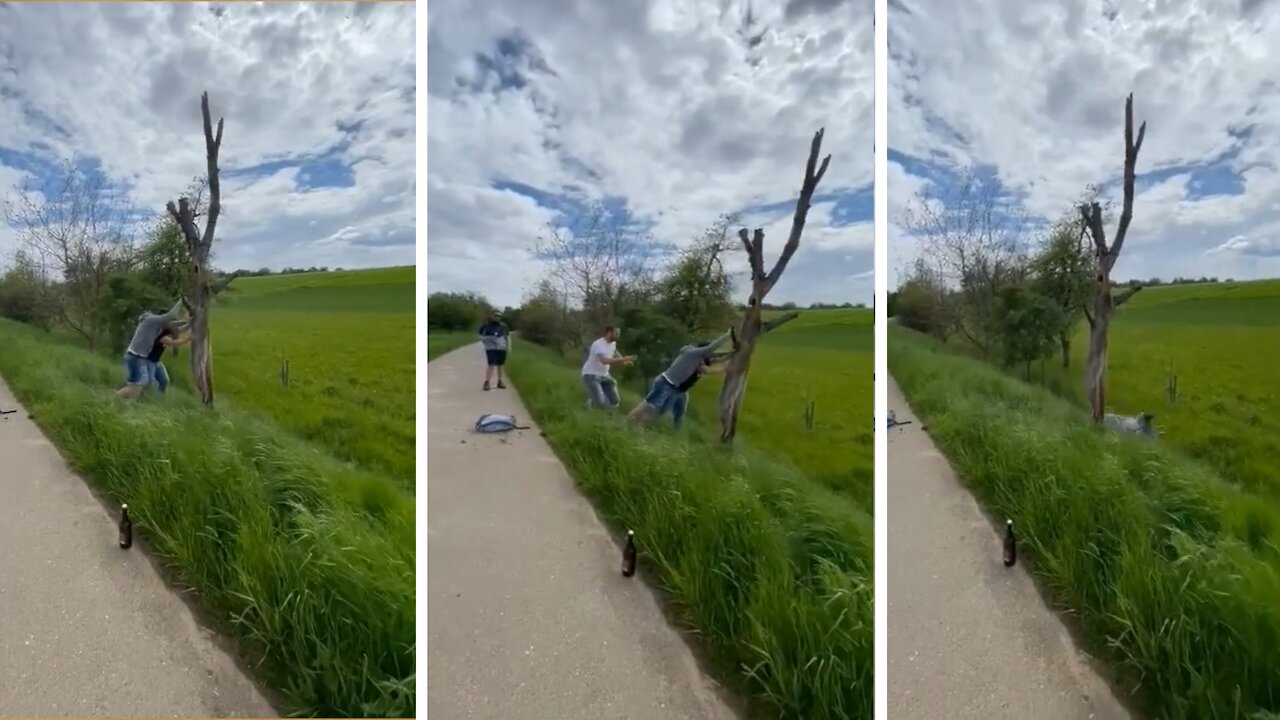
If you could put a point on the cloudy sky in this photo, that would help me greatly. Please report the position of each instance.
(670, 111)
(319, 102)
(1032, 94)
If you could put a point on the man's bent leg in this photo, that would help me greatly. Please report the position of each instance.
(135, 377)
(609, 389)
(679, 404)
(161, 376)
(595, 396)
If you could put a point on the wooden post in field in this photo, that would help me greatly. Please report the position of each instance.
(198, 245)
(753, 326)
(1104, 303)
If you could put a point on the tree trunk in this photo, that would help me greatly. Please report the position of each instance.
(1065, 341)
(752, 327)
(1095, 374)
(201, 349)
(735, 374)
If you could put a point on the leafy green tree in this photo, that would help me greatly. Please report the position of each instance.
(1062, 271)
(125, 297)
(164, 261)
(456, 311)
(1029, 325)
(22, 296)
(695, 290)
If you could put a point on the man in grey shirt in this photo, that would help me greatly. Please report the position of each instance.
(670, 387)
(137, 368)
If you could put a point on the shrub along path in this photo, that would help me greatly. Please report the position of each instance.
(966, 633)
(530, 616)
(88, 629)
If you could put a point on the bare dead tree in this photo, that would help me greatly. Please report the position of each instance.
(602, 263)
(970, 238)
(1104, 302)
(198, 245)
(76, 233)
(753, 325)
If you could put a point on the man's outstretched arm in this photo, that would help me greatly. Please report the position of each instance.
(709, 349)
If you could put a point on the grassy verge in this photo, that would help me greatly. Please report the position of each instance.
(770, 569)
(1173, 572)
(440, 342)
(307, 561)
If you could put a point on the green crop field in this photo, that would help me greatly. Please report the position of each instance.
(349, 340)
(826, 356)
(289, 511)
(1221, 341)
(440, 342)
(765, 549)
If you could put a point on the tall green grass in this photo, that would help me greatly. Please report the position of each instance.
(770, 569)
(306, 560)
(1173, 573)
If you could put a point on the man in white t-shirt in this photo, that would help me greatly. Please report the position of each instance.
(602, 390)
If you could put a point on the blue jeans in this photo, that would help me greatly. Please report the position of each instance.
(160, 376)
(678, 405)
(664, 396)
(137, 369)
(602, 390)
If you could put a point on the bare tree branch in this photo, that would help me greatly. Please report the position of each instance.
(1123, 297)
(1131, 148)
(779, 321)
(807, 188)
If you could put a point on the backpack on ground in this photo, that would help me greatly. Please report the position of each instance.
(489, 423)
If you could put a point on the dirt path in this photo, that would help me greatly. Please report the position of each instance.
(529, 615)
(967, 635)
(88, 629)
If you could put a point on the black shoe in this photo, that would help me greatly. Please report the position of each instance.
(501, 386)
(486, 384)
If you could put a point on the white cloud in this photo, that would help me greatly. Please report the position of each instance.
(120, 83)
(1036, 90)
(666, 104)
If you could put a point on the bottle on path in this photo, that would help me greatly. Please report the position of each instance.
(126, 528)
(629, 555)
(1010, 545)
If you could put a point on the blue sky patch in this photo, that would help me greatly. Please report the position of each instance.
(329, 169)
(574, 213)
(851, 207)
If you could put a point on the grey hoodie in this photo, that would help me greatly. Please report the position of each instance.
(149, 328)
(690, 359)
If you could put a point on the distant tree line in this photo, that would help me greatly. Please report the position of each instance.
(983, 281)
(81, 268)
(609, 272)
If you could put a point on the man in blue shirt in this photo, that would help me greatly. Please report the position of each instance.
(496, 339)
